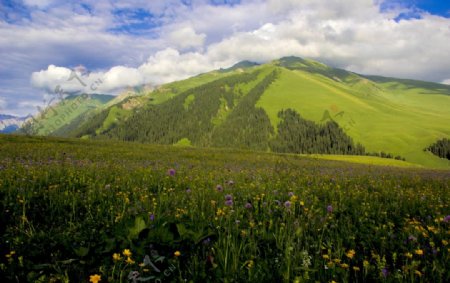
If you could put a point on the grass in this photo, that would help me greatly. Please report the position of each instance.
(371, 160)
(399, 120)
(57, 116)
(72, 209)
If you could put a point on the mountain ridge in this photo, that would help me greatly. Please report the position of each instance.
(388, 115)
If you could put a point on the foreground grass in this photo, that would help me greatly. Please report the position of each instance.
(130, 212)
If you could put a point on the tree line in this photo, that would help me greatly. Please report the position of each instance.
(440, 148)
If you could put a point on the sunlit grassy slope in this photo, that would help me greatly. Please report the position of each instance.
(371, 160)
(389, 116)
(68, 111)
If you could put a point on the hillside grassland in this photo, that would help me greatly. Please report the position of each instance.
(403, 120)
(242, 107)
(131, 212)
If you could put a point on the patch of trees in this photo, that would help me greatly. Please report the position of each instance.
(90, 127)
(298, 135)
(247, 126)
(171, 121)
(383, 154)
(440, 148)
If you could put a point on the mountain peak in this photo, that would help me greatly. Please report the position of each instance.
(241, 65)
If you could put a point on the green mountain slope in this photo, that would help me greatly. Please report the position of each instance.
(242, 107)
(66, 115)
(403, 119)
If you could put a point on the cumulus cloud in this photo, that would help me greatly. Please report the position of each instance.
(185, 37)
(60, 79)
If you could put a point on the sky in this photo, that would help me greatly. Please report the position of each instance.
(105, 46)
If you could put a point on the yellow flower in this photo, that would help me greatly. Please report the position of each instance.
(418, 252)
(95, 278)
(220, 212)
(355, 268)
(177, 253)
(366, 263)
(344, 265)
(444, 242)
(409, 255)
(129, 260)
(325, 257)
(127, 252)
(418, 273)
(116, 257)
(350, 253)
(250, 264)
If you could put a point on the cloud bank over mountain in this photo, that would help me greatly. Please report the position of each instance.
(160, 41)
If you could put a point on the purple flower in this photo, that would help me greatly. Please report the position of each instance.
(171, 172)
(188, 191)
(248, 205)
(385, 272)
(219, 188)
(411, 238)
(277, 202)
(152, 217)
(329, 209)
(287, 204)
(229, 202)
(447, 219)
(290, 194)
(231, 182)
(228, 197)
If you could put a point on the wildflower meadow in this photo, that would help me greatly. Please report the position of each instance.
(98, 211)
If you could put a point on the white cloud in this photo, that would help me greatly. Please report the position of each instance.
(447, 82)
(169, 65)
(48, 79)
(38, 3)
(120, 77)
(186, 37)
(2, 103)
(60, 79)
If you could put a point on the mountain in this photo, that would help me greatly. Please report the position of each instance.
(10, 124)
(240, 65)
(60, 118)
(287, 105)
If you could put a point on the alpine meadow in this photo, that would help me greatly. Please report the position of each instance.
(225, 141)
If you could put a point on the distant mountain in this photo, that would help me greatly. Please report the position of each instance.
(287, 105)
(10, 124)
(240, 66)
(60, 118)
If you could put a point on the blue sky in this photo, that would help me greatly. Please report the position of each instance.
(129, 43)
